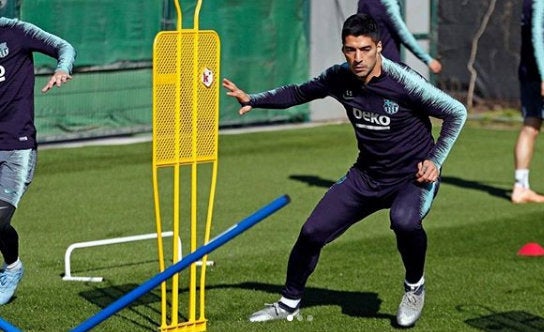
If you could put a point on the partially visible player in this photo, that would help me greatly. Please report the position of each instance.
(398, 167)
(18, 41)
(394, 32)
(531, 79)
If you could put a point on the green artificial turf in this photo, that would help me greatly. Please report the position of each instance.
(475, 280)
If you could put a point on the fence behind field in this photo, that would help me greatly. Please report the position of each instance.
(110, 93)
(265, 44)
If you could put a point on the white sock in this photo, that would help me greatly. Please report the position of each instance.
(14, 265)
(290, 303)
(521, 177)
(417, 284)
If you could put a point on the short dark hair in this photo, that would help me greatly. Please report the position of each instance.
(361, 24)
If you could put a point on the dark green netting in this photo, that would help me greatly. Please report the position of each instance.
(264, 44)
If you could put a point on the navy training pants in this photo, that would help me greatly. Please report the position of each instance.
(350, 200)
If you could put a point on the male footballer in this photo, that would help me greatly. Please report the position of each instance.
(394, 32)
(18, 41)
(398, 166)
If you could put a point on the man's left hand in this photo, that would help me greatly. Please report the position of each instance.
(427, 172)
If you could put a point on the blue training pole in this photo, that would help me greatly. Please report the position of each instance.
(186, 261)
(7, 327)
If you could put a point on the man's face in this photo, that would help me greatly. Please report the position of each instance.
(361, 53)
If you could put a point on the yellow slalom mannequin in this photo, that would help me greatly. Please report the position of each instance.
(185, 135)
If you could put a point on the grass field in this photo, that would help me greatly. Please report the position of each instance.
(475, 280)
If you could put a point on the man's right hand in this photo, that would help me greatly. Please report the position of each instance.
(240, 95)
(59, 78)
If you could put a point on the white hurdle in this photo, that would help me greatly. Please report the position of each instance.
(67, 255)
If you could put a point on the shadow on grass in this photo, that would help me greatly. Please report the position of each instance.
(493, 191)
(355, 304)
(102, 297)
(505, 321)
(312, 180)
(316, 181)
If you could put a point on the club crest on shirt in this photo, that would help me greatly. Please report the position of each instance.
(4, 50)
(390, 107)
(348, 95)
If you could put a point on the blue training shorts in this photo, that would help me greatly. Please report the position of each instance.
(532, 102)
(16, 174)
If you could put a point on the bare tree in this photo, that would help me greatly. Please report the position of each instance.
(474, 50)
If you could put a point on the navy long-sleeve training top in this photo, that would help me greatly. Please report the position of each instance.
(390, 116)
(18, 40)
(393, 30)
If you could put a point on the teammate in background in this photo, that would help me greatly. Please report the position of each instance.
(394, 31)
(398, 167)
(18, 41)
(531, 79)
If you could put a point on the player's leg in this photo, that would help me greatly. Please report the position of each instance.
(532, 111)
(16, 173)
(409, 207)
(341, 206)
(344, 204)
(9, 239)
